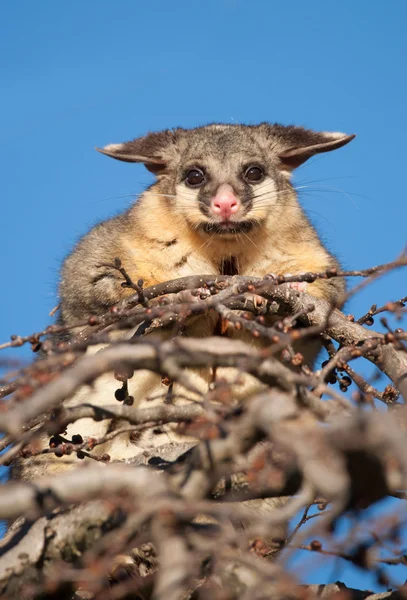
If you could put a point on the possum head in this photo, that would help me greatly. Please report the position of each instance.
(226, 179)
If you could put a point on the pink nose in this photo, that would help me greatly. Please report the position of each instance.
(225, 203)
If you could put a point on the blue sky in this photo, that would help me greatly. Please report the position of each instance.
(77, 74)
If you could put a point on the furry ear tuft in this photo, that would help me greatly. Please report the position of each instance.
(294, 145)
(294, 157)
(155, 150)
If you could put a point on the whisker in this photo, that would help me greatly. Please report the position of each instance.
(339, 191)
(308, 163)
(135, 196)
(207, 242)
(250, 240)
(331, 189)
(327, 179)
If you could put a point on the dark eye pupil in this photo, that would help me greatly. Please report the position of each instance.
(254, 174)
(194, 177)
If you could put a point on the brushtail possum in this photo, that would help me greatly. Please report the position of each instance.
(222, 203)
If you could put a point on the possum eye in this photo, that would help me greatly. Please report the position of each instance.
(254, 174)
(194, 178)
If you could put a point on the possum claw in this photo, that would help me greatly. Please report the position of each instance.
(259, 303)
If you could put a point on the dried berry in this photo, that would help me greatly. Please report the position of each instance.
(54, 441)
(316, 545)
(120, 394)
(382, 578)
(297, 359)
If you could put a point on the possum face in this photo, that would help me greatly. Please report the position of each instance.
(226, 179)
(226, 182)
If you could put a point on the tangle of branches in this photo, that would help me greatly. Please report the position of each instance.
(256, 483)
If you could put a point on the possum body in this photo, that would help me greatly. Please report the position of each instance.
(222, 203)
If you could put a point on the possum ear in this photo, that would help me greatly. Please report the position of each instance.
(294, 145)
(155, 150)
(298, 145)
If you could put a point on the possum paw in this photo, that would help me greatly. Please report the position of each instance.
(299, 286)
